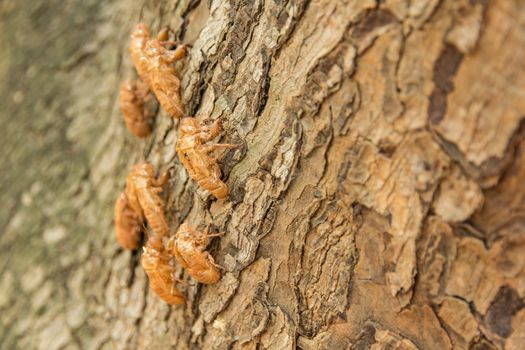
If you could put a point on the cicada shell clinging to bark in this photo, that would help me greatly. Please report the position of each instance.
(161, 275)
(128, 224)
(194, 154)
(133, 95)
(188, 246)
(154, 65)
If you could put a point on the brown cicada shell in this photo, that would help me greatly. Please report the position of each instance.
(142, 191)
(188, 246)
(133, 96)
(128, 224)
(194, 154)
(153, 63)
(160, 272)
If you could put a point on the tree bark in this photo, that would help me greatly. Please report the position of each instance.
(377, 202)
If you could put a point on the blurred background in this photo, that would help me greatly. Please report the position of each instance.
(380, 202)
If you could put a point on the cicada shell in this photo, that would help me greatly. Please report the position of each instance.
(188, 246)
(128, 224)
(142, 190)
(154, 65)
(133, 96)
(160, 274)
(194, 154)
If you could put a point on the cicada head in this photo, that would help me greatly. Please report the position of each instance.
(150, 258)
(189, 126)
(144, 170)
(141, 31)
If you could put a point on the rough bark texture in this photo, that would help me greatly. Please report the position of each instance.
(377, 202)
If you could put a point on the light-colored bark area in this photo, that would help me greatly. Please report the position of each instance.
(377, 201)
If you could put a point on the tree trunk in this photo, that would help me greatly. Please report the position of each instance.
(377, 202)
